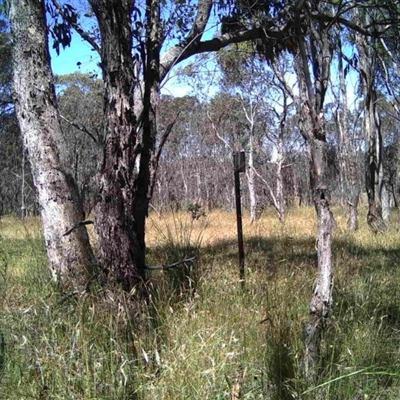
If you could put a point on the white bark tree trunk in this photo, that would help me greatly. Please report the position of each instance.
(23, 206)
(348, 162)
(280, 200)
(71, 260)
(385, 204)
(251, 180)
(372, 130)
(313, 82)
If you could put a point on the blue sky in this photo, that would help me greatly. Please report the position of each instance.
(80, 52)
(67, 61)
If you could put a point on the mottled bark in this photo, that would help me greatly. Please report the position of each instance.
(129, 160)
(385, 204)
(321, 301)
(313, 83)
(352, 221)
(121, 248)
(70, 256)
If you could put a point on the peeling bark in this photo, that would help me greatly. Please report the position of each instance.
(130, 161)
(120, 244)
(71, 260)
(313, 84)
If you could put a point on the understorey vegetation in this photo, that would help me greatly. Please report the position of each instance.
(202, 336)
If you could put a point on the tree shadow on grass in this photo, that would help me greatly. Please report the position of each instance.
(359, 270)
(279, 254)
(266, 253)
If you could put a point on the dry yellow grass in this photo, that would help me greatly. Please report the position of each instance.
(14, 228)
(220, 226)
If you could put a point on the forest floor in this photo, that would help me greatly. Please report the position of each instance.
(204, 336)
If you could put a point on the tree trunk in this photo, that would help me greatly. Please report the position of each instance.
(372, 131)
(71, 260)
(348, 167)
(352, 222)
(322, 296)
(374, 169)
(385, 204)
(280, 199)
(118, 218)
(23, 205)
(251, 181)
(129, 163)
(313, 87)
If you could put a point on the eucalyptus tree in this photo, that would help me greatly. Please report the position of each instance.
(138, 43)
(248, 79)
(313, 65)
(234, 116)
(70, 255)
(368, 64)
(279, 131)
(391, 152)
(374, 59)
(308, 35)
(347, 150)
(308, 38)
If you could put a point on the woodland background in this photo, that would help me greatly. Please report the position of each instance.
(309, 90)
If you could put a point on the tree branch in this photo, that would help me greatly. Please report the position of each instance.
(226, 143)
(271, 192)
(159, 151)
(79, 127)
(83, 34)
(169, 266)
(179, 53)
(78, 225)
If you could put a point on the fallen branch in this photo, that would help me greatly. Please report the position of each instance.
(169, 266)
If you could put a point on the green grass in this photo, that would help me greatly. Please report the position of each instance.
(202, 332)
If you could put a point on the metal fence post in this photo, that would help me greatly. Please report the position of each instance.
(239, 164)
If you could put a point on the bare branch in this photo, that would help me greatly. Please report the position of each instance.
(349, 24)
(156, 160)
(282, 80)
(78, 225)
(271, 192)
(79, 127)
(216, 130)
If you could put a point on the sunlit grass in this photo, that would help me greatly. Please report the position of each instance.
(202, 333)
